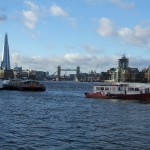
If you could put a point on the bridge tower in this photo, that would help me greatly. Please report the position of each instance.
(59, 69)
(58, 73)
(78, 73)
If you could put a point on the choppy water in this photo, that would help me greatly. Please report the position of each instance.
(63, 119)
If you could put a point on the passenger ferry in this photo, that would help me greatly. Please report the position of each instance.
(120, 91)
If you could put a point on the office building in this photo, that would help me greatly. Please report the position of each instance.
(5, 64)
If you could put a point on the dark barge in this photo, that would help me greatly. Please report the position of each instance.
(23, 85)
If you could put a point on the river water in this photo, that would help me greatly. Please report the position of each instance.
(61, 118)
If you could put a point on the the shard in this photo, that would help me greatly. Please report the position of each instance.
(5, 64)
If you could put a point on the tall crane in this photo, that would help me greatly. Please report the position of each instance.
(96, 68)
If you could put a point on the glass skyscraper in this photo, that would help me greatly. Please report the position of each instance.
(5, 64)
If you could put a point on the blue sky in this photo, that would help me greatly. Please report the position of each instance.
(43, 34)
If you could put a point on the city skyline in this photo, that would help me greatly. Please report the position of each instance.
(43, 35)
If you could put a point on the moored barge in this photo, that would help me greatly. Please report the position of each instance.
(23, 85)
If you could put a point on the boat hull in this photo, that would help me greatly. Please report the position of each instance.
(97, 95)
(144, 96)
(31, 88)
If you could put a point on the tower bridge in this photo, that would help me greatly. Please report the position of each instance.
(59, 70)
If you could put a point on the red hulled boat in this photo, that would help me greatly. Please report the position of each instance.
(120, 91)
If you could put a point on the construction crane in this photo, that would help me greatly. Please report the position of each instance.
(96, 68)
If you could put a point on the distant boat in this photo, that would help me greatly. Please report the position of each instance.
(23, 85)
(31, 85)
(120, 91)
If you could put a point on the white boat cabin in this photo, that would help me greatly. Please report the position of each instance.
(121, 89)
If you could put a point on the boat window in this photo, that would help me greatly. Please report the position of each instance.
(131, 89)
(136, 89)
(102, 88)
(98, 88)
(119, 88)
(147, 90)
(106, 88)
(113, 88)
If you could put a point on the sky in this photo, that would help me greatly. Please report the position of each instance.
(92, 34)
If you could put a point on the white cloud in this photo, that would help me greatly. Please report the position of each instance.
(139, 62)
(72, 57)
(72, 60)
(32, 5)
(56, 10)
(30, 62)
(30, 17)
(138, 36)
(106, 27)
(122, 3)
(119, 3)
(3, 18)
(91, 49)
(70, 47)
